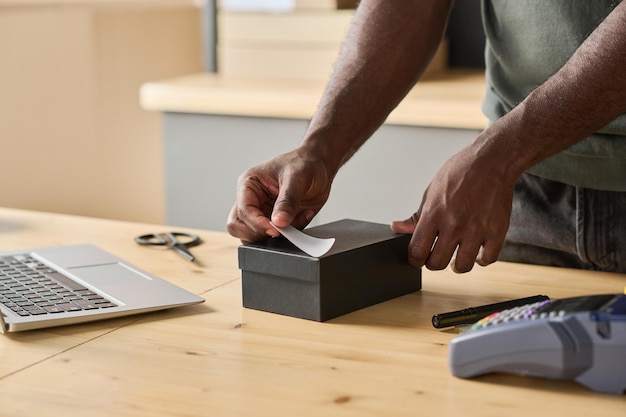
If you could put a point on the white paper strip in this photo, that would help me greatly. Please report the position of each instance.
(313, 246)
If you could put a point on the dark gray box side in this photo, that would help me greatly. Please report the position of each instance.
(367, 265)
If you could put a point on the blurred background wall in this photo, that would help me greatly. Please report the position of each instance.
(73, 138)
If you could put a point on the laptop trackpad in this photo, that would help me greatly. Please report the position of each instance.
(108, 276)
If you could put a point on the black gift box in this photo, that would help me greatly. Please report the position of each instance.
(366, 265)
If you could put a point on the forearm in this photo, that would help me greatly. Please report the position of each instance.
(385, 52)
(582, 97)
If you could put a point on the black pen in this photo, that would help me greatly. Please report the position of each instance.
(473, 314)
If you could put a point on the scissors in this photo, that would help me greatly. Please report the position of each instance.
(170, 239)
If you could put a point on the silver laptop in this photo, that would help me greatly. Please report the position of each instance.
(55, 286)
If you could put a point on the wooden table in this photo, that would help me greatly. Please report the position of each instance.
(219, 359)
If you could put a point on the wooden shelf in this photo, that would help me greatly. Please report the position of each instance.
(451, 100)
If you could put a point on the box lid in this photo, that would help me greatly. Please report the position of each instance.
(354, 248)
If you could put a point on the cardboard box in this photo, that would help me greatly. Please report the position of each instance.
(367, 265)
(302, 45)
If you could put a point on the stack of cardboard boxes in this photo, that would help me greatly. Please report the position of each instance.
(301, 42)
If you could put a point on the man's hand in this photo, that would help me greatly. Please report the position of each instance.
(386, 50)
(466, 209)
(467, 206)
(288, 189)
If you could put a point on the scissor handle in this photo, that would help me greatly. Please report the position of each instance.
(169, 238)
(193, 240)
(151, 239)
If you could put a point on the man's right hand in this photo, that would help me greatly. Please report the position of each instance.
(288, 189)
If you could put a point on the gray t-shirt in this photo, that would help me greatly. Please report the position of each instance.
(527, 42)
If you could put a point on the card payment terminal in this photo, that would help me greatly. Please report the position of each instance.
(580, 338)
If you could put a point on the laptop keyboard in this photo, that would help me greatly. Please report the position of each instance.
(30, 288)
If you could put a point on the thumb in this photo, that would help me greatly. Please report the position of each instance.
(406, 226)
(286, 206)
